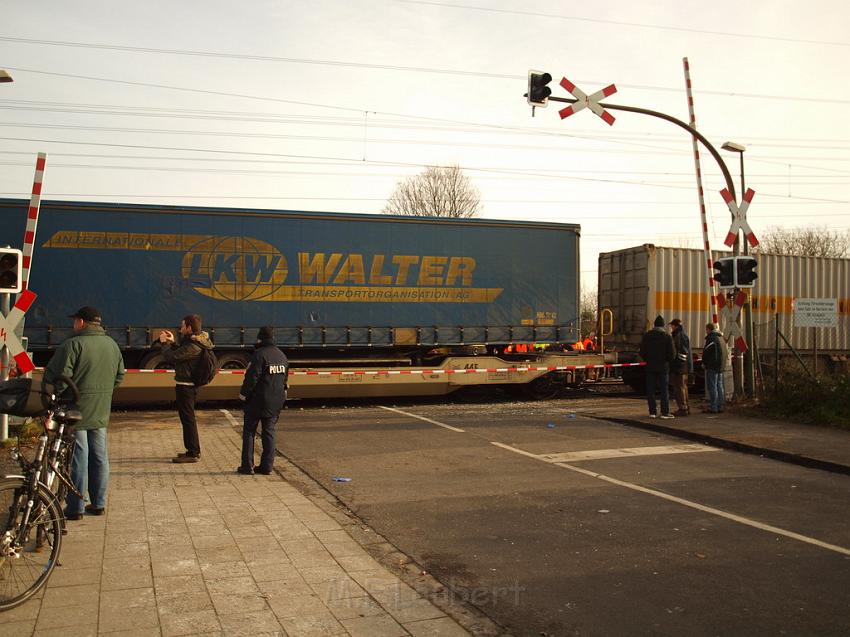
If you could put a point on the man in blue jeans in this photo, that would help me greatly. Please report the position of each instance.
(656, 349)
(93, 361)
(714, 355)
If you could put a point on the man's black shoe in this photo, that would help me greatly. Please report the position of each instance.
(186, 454)
(244, 471)
(73, 516)
(93, 510)
(260, 470)
(183, 459)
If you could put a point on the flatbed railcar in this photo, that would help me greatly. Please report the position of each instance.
(342, 290)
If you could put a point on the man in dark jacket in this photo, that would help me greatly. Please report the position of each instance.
(93, 361)
(184, 356)
(714, 355)
(263, 392)
(656, 349)
(681, 367)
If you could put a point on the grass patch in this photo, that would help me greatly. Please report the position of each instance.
(26, 432)
(824, 400)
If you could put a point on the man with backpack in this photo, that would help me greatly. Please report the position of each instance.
(191, 357)
(263, 392)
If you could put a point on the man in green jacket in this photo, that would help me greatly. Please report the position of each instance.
(93, 361)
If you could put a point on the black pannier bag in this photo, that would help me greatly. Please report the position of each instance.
(18, 397)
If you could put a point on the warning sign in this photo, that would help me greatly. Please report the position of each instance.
(815, 312)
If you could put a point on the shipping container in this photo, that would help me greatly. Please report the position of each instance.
(639, 283)
(328, 281)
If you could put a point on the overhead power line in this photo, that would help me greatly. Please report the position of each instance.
(621, 23)
(395, 67)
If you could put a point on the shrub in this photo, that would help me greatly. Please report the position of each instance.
(824, 400)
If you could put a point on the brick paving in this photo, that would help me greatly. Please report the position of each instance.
(196, 549)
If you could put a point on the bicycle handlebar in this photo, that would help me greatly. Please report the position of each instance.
(49, 400)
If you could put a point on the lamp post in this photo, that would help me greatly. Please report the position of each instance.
(748, 377)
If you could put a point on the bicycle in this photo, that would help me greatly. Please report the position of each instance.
(31, 512)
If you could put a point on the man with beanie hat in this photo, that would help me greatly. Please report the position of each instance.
(93, 361)
(263, 392)
(656, 349)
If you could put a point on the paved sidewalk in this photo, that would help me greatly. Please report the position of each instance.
(196, 549)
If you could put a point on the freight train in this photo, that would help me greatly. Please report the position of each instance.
(641, 282)
(342, 290)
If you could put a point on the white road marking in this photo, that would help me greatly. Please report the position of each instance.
(433, 422)
(628, 452)
(693, 505)
(230, 417)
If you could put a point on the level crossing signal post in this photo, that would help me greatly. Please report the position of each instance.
(539, 94)
(11, 261)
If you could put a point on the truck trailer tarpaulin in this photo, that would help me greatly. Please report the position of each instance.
(321, 278)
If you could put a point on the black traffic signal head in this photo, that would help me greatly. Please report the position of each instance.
(724, 272)
(745, 272)
(538, 92)
(10, 270)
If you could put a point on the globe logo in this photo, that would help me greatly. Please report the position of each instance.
(234, 268)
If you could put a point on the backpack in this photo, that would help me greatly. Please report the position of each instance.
(205, 369)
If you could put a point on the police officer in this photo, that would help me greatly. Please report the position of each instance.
(263, 392)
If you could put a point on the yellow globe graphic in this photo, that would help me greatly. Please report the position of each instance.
(239, 268)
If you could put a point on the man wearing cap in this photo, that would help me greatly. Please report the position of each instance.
(263, 392)
(656, 349)
(93, 361)
(681, 367)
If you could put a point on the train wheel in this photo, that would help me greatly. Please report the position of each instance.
(543, 388)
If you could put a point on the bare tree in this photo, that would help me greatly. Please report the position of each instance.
(439, 191)
(812, 242)
(587, 312)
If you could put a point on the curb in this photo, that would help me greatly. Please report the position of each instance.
(742, 447)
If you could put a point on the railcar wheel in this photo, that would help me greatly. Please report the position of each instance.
(543, 388)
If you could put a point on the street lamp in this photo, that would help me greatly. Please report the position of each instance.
(5, 77)
(733, 147)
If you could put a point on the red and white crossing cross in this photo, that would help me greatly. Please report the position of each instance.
(739, 217)
(590, 101)
(7, 331)
(730, 317)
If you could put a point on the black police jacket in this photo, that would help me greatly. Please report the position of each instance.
(264, 387)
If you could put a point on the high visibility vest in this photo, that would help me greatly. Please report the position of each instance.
(578, 346)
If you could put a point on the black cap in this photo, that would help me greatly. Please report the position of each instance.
(87, 313)
(659, 321)
(266, 333)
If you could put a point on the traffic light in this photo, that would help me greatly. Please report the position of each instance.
(10, 270)
(538, 92)
(745, 272)
(724, 272)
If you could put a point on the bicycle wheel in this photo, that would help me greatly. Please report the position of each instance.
(26, 564)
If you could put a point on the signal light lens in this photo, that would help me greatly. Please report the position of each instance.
(10, 270)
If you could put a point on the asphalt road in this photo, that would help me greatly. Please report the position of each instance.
(554, 545)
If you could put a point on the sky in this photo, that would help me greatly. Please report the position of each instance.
(325, 105)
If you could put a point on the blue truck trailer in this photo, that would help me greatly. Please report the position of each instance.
(339, 288)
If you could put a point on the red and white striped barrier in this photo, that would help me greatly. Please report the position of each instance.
(413, 372)
(32, 219)
(587, 101)
(712, 290)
